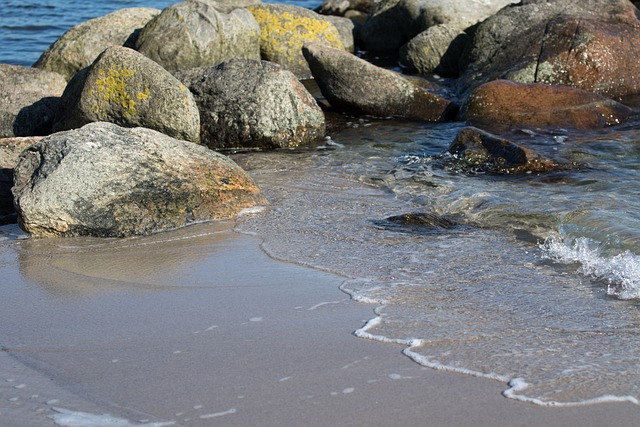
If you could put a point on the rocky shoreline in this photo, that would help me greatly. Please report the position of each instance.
(112, 131)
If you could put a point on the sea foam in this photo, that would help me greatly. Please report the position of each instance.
(620, 272)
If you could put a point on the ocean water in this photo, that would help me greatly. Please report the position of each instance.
(536, 286)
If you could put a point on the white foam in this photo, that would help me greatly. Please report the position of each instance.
(323, 303)
(252, 211)
(67, 418)
(218, 414)
(621, 272)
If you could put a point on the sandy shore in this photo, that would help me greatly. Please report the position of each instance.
(200, 328)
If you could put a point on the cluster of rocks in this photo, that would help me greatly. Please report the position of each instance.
(131, 105)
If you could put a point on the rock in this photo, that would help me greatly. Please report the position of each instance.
(104, 180)
(196, 33)
(342, 7)
(478, 150)
(285, 29)
(580, 43)
(10, 149)
(355, 86)
(435, 50)
(346, 28)
(81, 45)
(253, 104)
(124, 87)
(227, 6)
(392, 23)
(29, 99)
(503, 103)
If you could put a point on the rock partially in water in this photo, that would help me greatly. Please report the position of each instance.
(253, 104)
(504, 103)
(580, 43)
(416, 221)
(81, 45)
(10, 149)
(478, 150)
(355, 86)
(126, 88)
(392, 23)
(104, 180)
(29, 100)
(285, 29)
(199, 33)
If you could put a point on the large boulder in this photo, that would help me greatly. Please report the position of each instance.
(503, 103)
(285, 29)
(479, 151)
(104, 180)
(81, 45)
(29, 99)
(392, 23)
(581, 43)
(253, 104)
(10, 149)
(355, 86)
(197, 33)
(356, 10)
(124, 87)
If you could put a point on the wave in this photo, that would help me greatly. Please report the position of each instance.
(620, 272)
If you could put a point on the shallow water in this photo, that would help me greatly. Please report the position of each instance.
(537, 286)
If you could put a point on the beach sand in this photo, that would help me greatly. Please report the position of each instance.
(199, 327)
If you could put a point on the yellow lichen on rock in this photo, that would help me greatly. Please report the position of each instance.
(111, 88)
(283, 33)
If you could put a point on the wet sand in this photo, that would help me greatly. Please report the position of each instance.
(199, 327)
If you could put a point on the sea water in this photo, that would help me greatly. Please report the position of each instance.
(537, 285)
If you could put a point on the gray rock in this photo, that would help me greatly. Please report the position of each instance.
(104, 180)
(227, 6)
(557, 42)
(196, 33)
(346, 28)
(10, 149)
(253, 104)
(355, 86)
(341, 7)
(392, 23)
(435, 50)
(29, 99)
(124, 87)
(285, 29)
(81, 45)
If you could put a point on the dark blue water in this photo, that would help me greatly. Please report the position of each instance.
(540, 286)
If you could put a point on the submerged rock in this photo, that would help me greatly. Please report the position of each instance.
(253, 104)
(580, 43)
(503, 103)
(285, 29)
(126, 88)
(355, 86)
(481, 151)
(199, 33)
(420, 220)
(104, 180)
(29, 100)
(81, 45)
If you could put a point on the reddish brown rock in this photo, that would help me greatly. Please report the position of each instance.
(481, 151)
(582, 43)
(503, 103)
